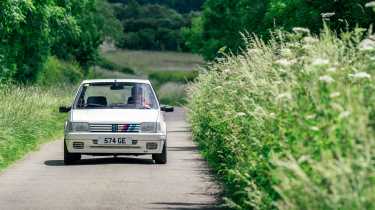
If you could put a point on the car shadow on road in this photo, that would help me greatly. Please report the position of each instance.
(103, 161)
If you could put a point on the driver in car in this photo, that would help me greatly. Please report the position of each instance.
(138, 98)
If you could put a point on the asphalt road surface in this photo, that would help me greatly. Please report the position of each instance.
(41, 181)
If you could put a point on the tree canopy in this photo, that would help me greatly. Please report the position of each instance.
(222, 21)
(30, 31)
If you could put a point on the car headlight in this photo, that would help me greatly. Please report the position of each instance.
(78, 126)
(150, 127)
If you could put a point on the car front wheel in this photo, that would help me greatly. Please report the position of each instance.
(70, 158)
(161, 158)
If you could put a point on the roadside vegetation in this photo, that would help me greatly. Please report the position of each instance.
(28, 117)
(289, 124)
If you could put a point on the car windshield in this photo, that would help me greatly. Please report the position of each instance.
(116, 95)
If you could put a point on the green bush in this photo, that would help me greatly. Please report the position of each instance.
(59, 72)
(28, 117)
(290, 124)
(161, 77)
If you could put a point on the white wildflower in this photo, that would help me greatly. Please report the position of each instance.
(367, 45)
(370, 4)
(240, 114)
(285, 62)
(286, 96)
(301, 30)
(327, 15)
(344, 114)
(332, 69)
(310, 117)
(310, 40)
(360, 75)
(254, 51)
(303, 158)
(226, 71)
(326, 79)
(320, 62)
(286, 52)
(314, 128)
(335, 94)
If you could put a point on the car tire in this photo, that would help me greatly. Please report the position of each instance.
(70, 158)
(161, 158)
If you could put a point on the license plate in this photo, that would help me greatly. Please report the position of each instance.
(114, 140)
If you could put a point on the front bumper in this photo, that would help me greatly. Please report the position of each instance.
(88, 143)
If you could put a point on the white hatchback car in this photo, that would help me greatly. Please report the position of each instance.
(115, 117)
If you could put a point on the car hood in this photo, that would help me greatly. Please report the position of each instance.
(114, 115)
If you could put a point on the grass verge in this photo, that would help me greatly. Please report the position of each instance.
(290, 124)
(171, 85)
(28, 117)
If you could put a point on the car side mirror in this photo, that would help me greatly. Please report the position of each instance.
(64, 109)
(166, 108)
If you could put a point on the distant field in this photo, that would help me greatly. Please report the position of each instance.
(149, 61)
(169, 72)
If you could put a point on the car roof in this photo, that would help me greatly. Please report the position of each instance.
(145, 81)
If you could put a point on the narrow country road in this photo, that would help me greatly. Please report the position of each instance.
(41, 181)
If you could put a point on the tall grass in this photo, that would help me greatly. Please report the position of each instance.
(28, 117)
(290, 124)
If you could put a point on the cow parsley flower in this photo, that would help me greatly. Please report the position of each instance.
(344, 114)
(360, 75)
(286, 52)
(320, 62)
(301, 30)
(310, 40)
(327, 15)
(370, 4)
(286, 96)
(326, 79)
(332, 69)
(240, 114)
(285, 62)
(367, 45)
(335, 94)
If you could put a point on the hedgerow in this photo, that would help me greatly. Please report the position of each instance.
(289, 124)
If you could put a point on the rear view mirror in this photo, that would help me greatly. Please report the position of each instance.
(64, 109)
(166, 108)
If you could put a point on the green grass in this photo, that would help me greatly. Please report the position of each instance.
(111, 66)
(144, 62)
(171, 86)
(290, 124)
(29, 117)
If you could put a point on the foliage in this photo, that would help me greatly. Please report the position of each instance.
(223, 21)
(289, 124)
(151, 27)
(170, 86)
(172, 93)
(173, 76)
(33, 30)
(59, 72)
(182, 6)
(28, 117)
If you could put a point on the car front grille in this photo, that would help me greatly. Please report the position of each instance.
(115, 128)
